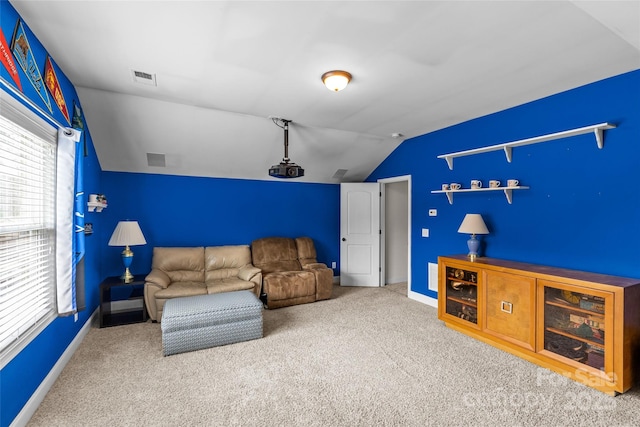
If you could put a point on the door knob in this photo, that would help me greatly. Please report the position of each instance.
(344, 240)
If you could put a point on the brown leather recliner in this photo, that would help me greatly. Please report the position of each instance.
(290, 272)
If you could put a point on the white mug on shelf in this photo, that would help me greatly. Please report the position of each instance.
(513, 183)
(445, 187)
(476, 183)
(93, 198)
(455, 186)
(494, 183)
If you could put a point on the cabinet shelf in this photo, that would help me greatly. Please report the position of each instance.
(463, 301)
(466, 282)
(596, 344)
(576, 309)
(507, 192)
(508, 146)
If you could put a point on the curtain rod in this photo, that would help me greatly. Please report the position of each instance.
(30, 103)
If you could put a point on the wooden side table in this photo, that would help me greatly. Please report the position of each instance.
(125, 292)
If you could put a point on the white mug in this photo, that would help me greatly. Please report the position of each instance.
(93, 198)
(475, 183)
(513, 183)
(455, 186)
(494, 183)
(445, 187)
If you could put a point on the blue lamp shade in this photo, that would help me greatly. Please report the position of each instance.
(473, 224)
(127, 233)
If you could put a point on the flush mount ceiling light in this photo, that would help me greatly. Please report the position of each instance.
(336, 80)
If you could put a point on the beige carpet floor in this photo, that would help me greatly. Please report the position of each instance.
(367, 357)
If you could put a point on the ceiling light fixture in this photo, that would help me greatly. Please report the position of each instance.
(336, 80)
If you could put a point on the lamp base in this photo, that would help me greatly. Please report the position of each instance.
(473, 244)
(127, 257)
(127, 277)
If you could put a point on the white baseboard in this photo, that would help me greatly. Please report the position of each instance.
(38, 396)
(336, 280)
(423, 299)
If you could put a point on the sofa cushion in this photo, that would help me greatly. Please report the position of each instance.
(273, 254)
(306, 251)
(182, 289)
(222, 262)
(289, 284)
(180, 264)
(230, 284)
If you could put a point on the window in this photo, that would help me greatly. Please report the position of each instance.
(27, 227)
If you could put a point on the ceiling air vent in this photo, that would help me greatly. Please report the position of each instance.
(340, 173)
(144, 78)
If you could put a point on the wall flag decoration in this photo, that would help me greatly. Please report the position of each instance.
(7, 60)
(78, 123)
(24, 55)
(51, 80)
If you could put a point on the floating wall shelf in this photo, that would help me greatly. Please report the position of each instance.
(507, 146)
(507, 192)
(96, 206)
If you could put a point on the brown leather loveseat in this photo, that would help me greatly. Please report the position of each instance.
(290, 272)
(183, 272)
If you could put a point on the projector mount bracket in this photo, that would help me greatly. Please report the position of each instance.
(285, 169)
(284, 124)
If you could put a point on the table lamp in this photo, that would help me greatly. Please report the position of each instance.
(473, 224)
(127, 233)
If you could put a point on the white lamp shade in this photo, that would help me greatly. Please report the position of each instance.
(127, 233)
(473, 224)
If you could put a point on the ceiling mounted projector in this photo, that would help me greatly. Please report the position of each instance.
(285, 169)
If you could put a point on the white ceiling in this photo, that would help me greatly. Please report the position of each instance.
(224, 67)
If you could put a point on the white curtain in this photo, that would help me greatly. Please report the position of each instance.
(69, 219)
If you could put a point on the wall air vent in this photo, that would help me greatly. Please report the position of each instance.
(155, 159)
(144, 78)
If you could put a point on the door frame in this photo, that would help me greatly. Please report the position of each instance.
(383, 207)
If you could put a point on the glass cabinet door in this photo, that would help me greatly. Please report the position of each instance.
(577, 325)
(462, 294)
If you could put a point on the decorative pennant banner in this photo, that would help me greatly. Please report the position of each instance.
(24, 55)
(78, 123)
(51, 80)
(7, 60)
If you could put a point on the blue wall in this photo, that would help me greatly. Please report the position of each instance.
(583, 205)
(193, 211)
(22, 375)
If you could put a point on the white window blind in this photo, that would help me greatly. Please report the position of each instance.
(27, 228)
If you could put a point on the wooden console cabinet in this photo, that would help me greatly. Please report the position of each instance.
(585, 326)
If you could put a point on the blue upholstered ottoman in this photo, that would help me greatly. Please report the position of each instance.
(203, 321)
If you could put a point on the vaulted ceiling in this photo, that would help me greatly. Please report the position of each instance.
(222, 68)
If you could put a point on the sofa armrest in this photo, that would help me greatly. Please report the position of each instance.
(154, 282)
(314, 266)
(248, 272)
(158, 278)
(253, 274)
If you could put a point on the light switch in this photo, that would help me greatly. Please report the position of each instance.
(425, 232)
(433, 212)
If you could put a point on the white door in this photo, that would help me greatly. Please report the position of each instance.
(360, 234)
